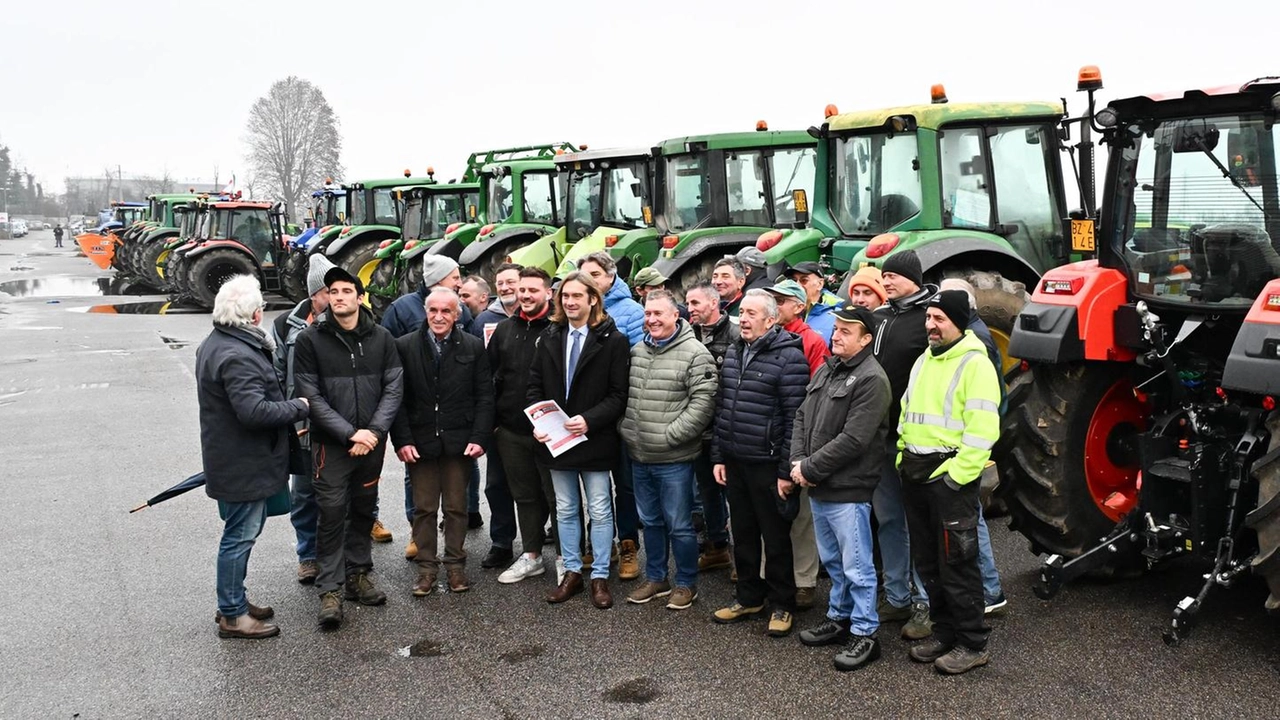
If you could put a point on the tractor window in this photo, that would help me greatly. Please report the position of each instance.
(966, 190)
(499, 200)
(1197, 209)
(1021, 163)
(446, 210)
(688, 192)
(744, 177)
(540, 198)
(624, 196)
(584, 200)
(877, 183)
(791, 169)
(358, 207)
(384, 208)
(411, 229)
(250, 227)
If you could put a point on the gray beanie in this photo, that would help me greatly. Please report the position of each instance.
(436, 268)
(317, 266)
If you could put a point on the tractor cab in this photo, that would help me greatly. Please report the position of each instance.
(717, 193)
(607, 197)
(234, 238)
(1151, 430)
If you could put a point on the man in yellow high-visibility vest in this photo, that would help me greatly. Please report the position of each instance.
(950, 421)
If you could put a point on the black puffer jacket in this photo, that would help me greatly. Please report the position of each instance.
(352, 379)
(245, 422)
(511, 351)
(840, 429)
(599, 392)
(758, 402)
(900, 340)
(448, 399)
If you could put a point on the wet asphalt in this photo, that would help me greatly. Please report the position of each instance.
(111, 614)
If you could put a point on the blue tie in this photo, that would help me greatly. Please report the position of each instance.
(574, 350)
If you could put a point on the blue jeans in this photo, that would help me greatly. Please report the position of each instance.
(473, 487)
(304, 513)
(843, 533)
(895, 544)
(569, 502)
(715, 508)
(991, 590)
(625, 509)
(664, 502)
(243, 525)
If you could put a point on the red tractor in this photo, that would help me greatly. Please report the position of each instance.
(234, 238)
(1150, 431)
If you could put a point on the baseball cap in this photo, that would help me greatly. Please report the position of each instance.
(648, 277)
(807, 267)
(789, 289)
(856, 314)
(337, 274)
(752, 256)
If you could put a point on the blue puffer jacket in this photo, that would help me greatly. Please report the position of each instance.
(758, 403)
(822, 316)
(627, 314)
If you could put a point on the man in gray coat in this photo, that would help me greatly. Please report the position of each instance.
(245, 423)
(673, 382)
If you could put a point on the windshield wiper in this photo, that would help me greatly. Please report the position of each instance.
(1227, 174)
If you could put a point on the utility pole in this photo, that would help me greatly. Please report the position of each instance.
(120, 183)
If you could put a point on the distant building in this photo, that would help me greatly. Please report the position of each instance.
(87, 195)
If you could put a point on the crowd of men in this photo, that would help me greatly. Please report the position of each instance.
(761, 413)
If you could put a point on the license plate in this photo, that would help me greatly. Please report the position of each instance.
(1082, 236)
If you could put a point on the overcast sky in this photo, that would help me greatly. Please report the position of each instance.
(156, 87)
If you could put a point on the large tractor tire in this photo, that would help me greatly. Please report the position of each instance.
(487, 266)
(383, 287)
(148, 264)
(356, 260)
(1265, 518)
(209, 271)
(293, 276)
(1073, 470)
(693, 273)
(999, 301)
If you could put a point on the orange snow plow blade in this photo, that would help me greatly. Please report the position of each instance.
(98, 248)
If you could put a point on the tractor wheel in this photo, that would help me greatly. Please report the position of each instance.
(1265, 518)
(1073, 470)
(694, 272)
(383, 287)
(293, 276)
(172, 269)
(412, 278)
(354, 259)
(209, 271)
(487, 266)
(999, 301)
(148, 265)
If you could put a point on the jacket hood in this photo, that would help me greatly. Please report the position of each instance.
(497, 307)
(618, 291)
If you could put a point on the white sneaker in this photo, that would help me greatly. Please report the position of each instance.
(523, 567)
(559, 569)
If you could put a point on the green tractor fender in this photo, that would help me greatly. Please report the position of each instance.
(453, 243)
(357, 234)
(698, 245)
(323, 238)
(634, 250)
(390, 250)
(544, 252)
(419, 247)
(787, 247)
(159, 233)
(501, 235)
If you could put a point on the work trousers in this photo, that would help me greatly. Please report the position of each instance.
(434, 479)
(346, 490)
(752, 489)
(530, 487)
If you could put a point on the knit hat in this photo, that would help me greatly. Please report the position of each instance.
(436, 268)
(955, 305)
(906, 264)
(317, 266)
(869, 277)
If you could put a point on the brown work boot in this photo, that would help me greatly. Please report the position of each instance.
(425, 585)
(330, 616)
(246, 627)
(458, 579)
(570, 586)
(649, 590)
(265, 612)
(307, 572)
(380, 533)
(628, 565)
(411, 551)
(600, 595)
(806, 597)
(714, 558)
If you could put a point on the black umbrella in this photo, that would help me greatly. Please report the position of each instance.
(190, 483)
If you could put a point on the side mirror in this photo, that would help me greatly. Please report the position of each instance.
(800, 199)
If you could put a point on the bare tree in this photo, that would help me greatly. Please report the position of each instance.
(293, 140)
(148, 185)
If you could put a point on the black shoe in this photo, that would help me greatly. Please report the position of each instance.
(861, 652)
(474, 521)
(928, 651)
(830, 632)
(497, 558)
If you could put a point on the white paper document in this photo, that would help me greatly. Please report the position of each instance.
(548, 418)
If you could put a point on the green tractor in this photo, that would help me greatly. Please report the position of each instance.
(519, 203)
(327, 213)
(145, 241)
(717, 194)
(429, 211)
(607, 197)
(372, 215)
(975, 189)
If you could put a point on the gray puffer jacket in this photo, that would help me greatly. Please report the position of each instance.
(671, 398)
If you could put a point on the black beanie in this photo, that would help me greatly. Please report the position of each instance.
(906, 264)
(955, 305)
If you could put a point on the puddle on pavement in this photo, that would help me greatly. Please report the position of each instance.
(423, 648)
(636, 691)
(70, 286)
(164, 307)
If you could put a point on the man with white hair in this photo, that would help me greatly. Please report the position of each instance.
(445, 422)
(245, 424)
